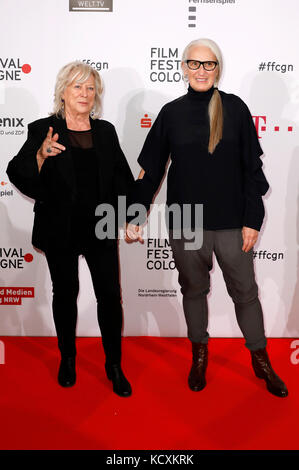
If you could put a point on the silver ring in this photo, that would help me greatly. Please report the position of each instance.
(49, 150)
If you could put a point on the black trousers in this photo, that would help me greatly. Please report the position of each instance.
(103, 264)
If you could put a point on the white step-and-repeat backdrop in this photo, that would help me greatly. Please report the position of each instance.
(136, 45)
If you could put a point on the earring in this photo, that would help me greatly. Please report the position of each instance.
(62, 103)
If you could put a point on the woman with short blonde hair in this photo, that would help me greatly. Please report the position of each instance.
(79, 72)
(70, 163)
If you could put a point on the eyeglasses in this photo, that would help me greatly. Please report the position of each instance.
(208, 65)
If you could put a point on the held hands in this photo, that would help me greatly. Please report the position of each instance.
(250, 236)
(49, 147)
(134, 233)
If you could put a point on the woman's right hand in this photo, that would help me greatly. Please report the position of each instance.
(49, 148)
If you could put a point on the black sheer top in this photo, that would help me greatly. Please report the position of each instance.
(86, 171)
(87, 184)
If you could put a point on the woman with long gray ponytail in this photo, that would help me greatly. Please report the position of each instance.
(215, 164)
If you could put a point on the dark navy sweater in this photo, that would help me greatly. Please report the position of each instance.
(229, 183)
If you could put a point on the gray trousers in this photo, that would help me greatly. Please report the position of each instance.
(238, 272)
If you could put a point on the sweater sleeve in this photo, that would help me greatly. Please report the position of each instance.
(155, 151)
(153, 158)
(255, 181)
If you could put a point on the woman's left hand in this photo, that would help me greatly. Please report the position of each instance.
(250, 236)
(134, 233)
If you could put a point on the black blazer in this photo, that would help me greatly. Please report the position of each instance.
(54, 187)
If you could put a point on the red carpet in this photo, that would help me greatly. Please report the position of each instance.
(234, 411)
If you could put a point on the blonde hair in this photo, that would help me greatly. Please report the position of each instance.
(80, 72)
(215, 105)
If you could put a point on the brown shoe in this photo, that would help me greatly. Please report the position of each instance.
(263, 370)
(197, 379)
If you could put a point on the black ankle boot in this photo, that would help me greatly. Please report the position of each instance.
(121, 385)
(197, 379)
(263, 370)
(67, 372)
